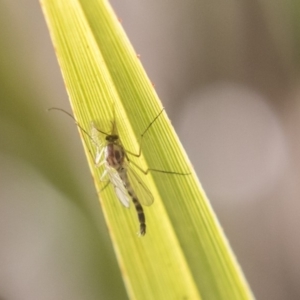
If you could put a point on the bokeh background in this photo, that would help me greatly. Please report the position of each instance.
(227, 73)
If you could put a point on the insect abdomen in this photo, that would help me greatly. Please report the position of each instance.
(140, 212)
(136, 202)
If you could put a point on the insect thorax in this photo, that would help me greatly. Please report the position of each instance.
(114, 155)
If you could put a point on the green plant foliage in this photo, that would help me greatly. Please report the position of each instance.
(184, 254)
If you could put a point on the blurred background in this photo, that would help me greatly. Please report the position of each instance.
(228, 75)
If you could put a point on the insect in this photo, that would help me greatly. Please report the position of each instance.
(118, 167)
(127, 183)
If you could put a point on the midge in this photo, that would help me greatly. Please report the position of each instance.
(126, 182)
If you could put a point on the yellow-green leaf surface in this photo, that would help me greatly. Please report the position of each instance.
(184, 254)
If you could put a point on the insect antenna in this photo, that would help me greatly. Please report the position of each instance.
(71, 116)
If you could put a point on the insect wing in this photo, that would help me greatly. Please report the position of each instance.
(120, 190)
(143, 193)
(100, 147)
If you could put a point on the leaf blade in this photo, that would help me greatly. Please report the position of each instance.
(105, 78)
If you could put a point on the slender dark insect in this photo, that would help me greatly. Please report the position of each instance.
(126, 182)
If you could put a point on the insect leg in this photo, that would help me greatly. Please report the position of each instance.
(157, 170)
(106, 185)
(142, 135)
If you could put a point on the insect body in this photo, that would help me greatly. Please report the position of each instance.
(126, 182)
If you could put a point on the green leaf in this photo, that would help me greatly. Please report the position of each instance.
(184, 254)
